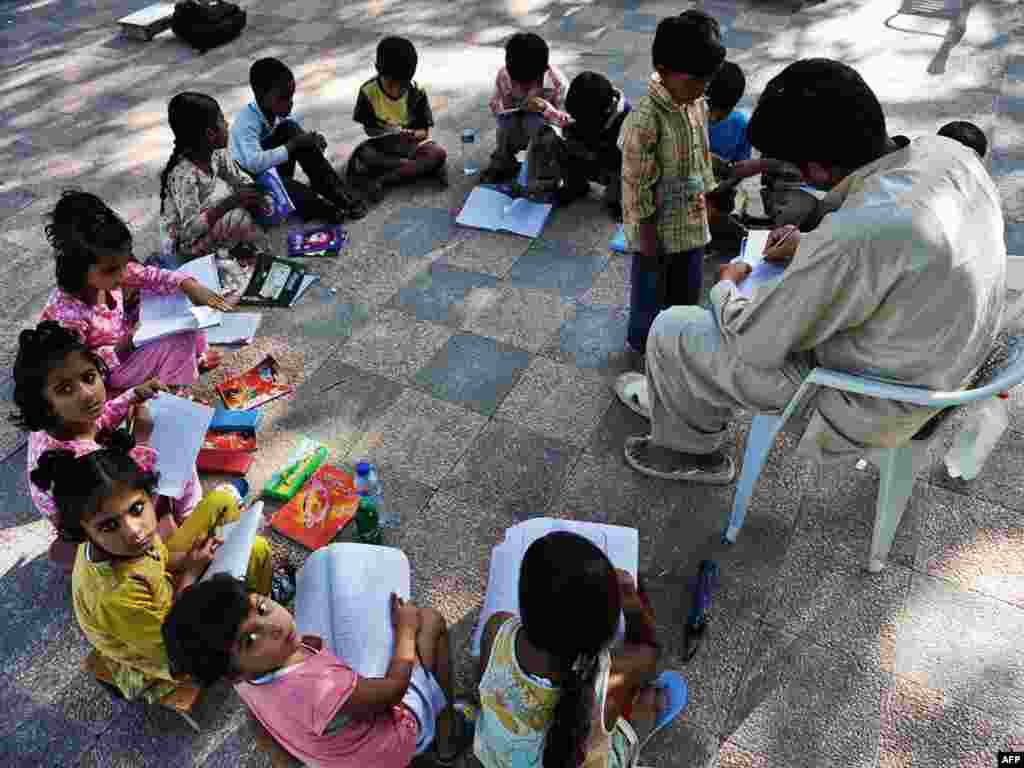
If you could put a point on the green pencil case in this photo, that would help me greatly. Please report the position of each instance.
(285, 484)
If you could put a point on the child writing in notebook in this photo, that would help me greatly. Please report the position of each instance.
(62, 402)
(556, 697)
(205, 204)
(311, 702)
(395, 111)
(93, 249)
(528, 94)
(126, 577)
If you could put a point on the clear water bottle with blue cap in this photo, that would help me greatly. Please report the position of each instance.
(470, 164)
(368, 483)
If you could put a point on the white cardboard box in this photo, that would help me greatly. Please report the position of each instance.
(150, 21)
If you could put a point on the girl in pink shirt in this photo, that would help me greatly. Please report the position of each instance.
(62, 401)
(311, 702)
(93, 249)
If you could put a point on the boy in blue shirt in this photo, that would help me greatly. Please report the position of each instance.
(727, 134)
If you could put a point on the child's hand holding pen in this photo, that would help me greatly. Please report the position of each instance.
(781, 245)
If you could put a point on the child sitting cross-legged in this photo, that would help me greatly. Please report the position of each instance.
(395, 112)
(205, 203)
(553, 691)
(62, 402)
(312, 703)
(126, 578)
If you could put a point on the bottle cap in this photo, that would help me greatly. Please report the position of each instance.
(366, 502)
(363, 468)
(1003, 395)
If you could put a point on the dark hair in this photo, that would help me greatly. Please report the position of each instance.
(569, 602)
(590, 98)
(726, 88)
(203, 625)
(80, 225)
(819, 110)
(967, 134)
(526, 57)
(191, 115)
(396, 57)
(40, 350)
(267, 73)
(690, 43)
(79, 485)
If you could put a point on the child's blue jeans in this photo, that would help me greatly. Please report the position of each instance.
(683, 277)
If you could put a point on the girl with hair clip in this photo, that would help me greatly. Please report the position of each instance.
(205, 204)
(93, 249)
(553, 692)
(62, 402)
(125, 576)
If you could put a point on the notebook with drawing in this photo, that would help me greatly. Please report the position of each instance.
(179, 428)
(343, 595)
(233, 555)
(490, 209)
(762, 272)
(619, 543)
(166, 314)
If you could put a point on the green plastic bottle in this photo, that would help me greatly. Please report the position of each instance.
(368, 521)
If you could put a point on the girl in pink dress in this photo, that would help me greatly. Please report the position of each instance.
(62, 401)
(93, 249)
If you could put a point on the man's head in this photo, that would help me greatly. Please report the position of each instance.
(396, 59)
(217, 628)
(820, 115)
(967, 134)
(526, 57)
(687, 52)
(590, 100)
(273, 84)
(725, 91)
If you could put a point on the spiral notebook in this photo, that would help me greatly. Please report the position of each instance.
(492, 210)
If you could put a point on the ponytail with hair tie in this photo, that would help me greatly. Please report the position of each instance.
(53, 463)
(120, 440)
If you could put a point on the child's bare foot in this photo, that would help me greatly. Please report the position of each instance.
(209, 360)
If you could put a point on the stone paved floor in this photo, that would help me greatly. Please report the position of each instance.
(475, 368)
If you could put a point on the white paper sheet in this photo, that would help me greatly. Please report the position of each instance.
(233, 555)
(179, 427)
(166, 314)
(762, 272)
(344, 596)
(235, 328)
(620, 543)
(307, 280)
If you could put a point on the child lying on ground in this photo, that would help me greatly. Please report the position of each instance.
(312, 703)
(394, 110)
(125, 577)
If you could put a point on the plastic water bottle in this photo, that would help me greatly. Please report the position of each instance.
(368, 484)
(470, 165)
(977, 437)
(367, 521)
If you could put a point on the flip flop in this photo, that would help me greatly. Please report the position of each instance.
(693, 474)
(678, 697)
(631, 389)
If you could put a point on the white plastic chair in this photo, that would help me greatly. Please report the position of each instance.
(899, 466)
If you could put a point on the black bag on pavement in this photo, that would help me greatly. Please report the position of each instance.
(205, 24)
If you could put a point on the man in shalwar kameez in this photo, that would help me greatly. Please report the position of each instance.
(904, 280)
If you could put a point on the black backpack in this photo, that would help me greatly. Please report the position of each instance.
(205, 24)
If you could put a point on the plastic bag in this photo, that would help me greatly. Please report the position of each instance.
(977, 437)
(281, 204)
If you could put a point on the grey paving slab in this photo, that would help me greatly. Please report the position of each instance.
(592, 337)
(442, 294)
(394, 345)
(798, 699)
(557, 265)
(16, 507)
(963, 644)
(491, 253)
(522, 317)
(557, 400)
(418, 231)
(511, 468)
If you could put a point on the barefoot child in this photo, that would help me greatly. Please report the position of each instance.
(205, 204)
(555, 697)
(125, 577)
(62, 401)
(93, 249)
(392, 105)
(312, 703)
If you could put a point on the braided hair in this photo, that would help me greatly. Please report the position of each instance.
(190, 115)
(40, 350)
(80, 227)
(566, 581)
(80, 485)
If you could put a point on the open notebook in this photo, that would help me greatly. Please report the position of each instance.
(235, 328)
(343, 595)
(620, 544)
(179, 427)
(490, 209)
(233, 555)
(762, 272)
(166, 314)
